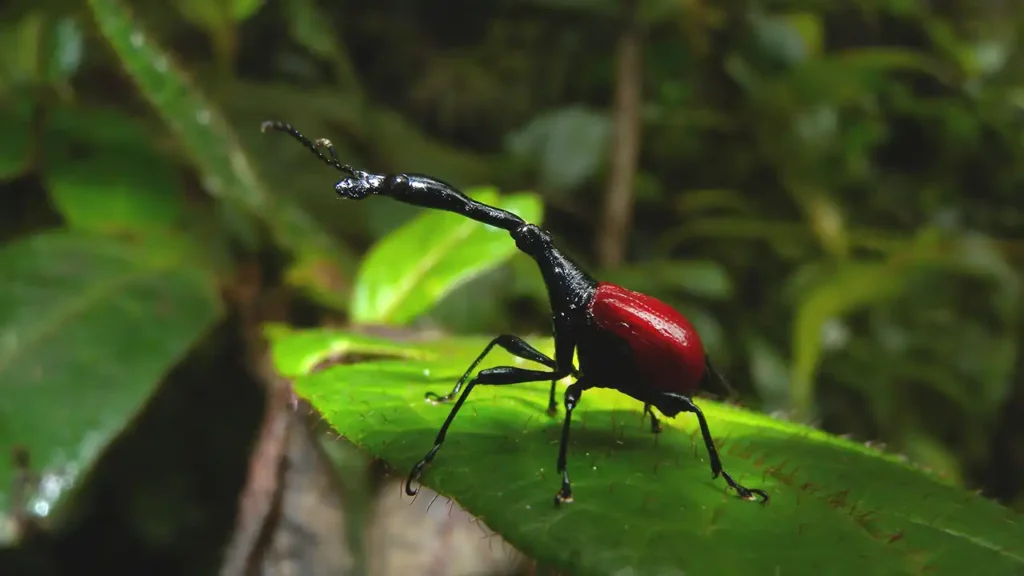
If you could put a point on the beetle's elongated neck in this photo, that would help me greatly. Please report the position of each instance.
(569, 287)
(429, 192)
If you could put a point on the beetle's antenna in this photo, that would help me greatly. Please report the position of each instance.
(313, 146)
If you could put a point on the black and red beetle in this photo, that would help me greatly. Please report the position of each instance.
(624, 340)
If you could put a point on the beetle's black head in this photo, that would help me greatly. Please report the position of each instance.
(532, 240)
(359, 185)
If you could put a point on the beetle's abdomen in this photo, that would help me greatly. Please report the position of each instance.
(665, 346)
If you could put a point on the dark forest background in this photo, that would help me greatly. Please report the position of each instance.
(830, 190)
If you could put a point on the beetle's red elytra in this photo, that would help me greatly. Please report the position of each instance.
(668, 350)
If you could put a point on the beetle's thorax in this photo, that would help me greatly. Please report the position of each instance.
(570, 289)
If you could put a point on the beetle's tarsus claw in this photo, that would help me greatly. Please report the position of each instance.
(435, 398)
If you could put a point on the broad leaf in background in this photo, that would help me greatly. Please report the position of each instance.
(568, 145)
(414, 267)
(221, 161)
(856, 284)
(851, 286)
(837, 507)
(88, 327)
(104, 176)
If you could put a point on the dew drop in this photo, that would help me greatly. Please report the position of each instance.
(137, 39)
(203, 116)
(160, 64)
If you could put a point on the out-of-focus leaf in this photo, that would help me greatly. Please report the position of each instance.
(20, 45)
(37, 49)
(703, 278)
(933, 455)
(856, 284)
(411, 269)
(851, 286)
(527, 281)
(887, 60)
(769, 374)
(568, 144)
(479, 305)
(889, 517)
(109, 184)
(243, 9)
(88, 327)
(701, 201)
(214, 148)
(216, 14)
(16, 145)
(790, 38)
(972, 254)
(66, 49)
(828, 223)
(309, 27)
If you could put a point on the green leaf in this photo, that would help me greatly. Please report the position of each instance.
(16, 145)
(65, 50)
(20, 47)
(646, 504)
(851, 286)
(308, 26)
(791, 38)
(214, 148)
(216, 14)
(414, 267)
(88, 327)
(568, 144)
(104, 176)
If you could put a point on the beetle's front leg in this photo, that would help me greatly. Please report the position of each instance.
(655, 425)
(572, 399)
(515, 346)
(497, 376)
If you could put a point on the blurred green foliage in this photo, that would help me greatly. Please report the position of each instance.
(829, 190)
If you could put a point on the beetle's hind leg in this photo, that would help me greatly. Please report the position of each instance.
(716, 462)
(552, 403)
(655, 424)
